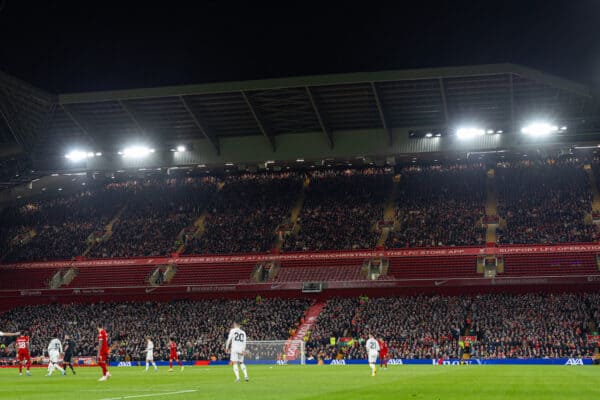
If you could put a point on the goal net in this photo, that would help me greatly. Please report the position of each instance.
(276, 351)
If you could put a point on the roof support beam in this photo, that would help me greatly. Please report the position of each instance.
(127, 108)
(201, 125)
(17, 138)
(80, 124)
(512, 102)
(444, 103)
(326, 130)
(382, 116)
(252, 108)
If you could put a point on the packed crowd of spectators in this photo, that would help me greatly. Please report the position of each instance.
(199, 328)
(413, 327)
(245, 214)
(505, 325)
(440, 206)
(155, 212)
(419, 327)
(534, 325)
(544, 202)
(341, 209)
(55, 228)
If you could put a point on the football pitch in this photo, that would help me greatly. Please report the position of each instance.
(310, 382)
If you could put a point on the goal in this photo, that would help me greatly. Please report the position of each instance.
(276, 351)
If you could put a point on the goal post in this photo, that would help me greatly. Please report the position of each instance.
(276, 351)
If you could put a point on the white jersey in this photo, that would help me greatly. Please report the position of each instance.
(55, 346)
(237, 340)
(150, 351)
(372, 346)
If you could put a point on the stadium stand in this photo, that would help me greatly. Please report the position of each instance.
(440, 206)
(341, 209)
(544, 202)
(199, 327)
(246, 212)
(505, 325)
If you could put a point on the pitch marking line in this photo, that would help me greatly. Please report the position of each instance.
(149, 395)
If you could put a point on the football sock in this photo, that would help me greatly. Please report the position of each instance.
(236, 371)
(243, 366)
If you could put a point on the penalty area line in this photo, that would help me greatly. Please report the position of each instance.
(137, 396)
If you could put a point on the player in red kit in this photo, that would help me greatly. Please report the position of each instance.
(23, 356)
(173, 354)
(383, 351)
(103, 352)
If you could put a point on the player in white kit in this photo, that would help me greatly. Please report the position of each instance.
(54, 350)
(150, 354)
(373, 351)
(236, 346)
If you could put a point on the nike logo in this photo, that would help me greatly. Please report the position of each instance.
(439, 283)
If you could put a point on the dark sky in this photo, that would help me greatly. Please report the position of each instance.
(67, 46)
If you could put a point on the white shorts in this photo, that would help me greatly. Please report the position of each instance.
(150, 356)
(53, 356)
(237, 356)
(373, 357)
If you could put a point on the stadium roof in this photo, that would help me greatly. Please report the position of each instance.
(419, 98)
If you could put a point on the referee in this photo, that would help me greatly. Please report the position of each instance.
(69, 350)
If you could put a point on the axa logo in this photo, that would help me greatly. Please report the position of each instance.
(395, 361)
(338, 362)
(574, 361)
(125, 364)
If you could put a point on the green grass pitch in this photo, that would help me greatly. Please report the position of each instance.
(310, 382)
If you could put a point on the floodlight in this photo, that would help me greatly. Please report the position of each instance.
(428, 134)
(467, 133)
(136, 152)
(181, 148)
(76, 155)
(539, 129)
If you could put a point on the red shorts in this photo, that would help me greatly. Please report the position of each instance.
(173, 356)
(23, 355)
(383, 354)
(102, 357)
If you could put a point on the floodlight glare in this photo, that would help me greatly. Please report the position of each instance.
(76, 155)
(136, 152)
(539, 129)
(428, 134)
(181, 148)
(469, 133)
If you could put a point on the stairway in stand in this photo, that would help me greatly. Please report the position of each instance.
(295, 212)
(491, 208)
(389, 212)
(108, 230)
(310, 317)
(595, 192)
(199, 226)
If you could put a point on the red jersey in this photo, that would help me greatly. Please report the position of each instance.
(173, 348)
(103, 341)
(383, 347)
(22, 344)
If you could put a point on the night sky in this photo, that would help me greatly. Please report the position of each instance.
(65, 46)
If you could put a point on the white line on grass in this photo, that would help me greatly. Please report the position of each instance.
(148, 395)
